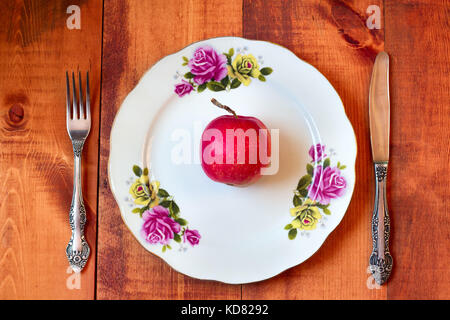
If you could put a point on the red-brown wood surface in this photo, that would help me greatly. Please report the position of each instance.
(418, 41)
(36, 157)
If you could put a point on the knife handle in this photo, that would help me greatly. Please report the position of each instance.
(380, 259)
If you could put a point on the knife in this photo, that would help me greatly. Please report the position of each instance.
(380, 260)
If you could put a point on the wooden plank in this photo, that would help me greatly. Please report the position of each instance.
(418, 42)
(332, 36)
(36, 159)
(143, 33)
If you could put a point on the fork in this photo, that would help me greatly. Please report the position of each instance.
(78, 126)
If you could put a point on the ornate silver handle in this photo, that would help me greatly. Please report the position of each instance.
(77, 249)
(380, 259)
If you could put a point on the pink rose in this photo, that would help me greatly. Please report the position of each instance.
(317, 152)
(183, 88)
(191, 236)
(328, 184)
(207, 64)
(158, 227)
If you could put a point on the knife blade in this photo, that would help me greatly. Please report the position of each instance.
(379, 118)
(379, 108)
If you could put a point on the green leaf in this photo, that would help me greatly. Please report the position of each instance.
(215, 86)
(310, 169)
(297, 201)
(184, 64)
(142, 210)
(137, 170)
(181, 221)
(164, 248)
(176, 209)
(303, 193)
(165, 203)
(177, 237)
(188, 75)
(235, 83)
(326, 211)
(338, 164)
(343, 167)
(304, 182)
(225, 81)
(169, 247)
(326, 163)
(288, 227)
(266, 71)
(262, 78)
(163, 193)
(292, 234)
(145, 172)
(171, 211)
(231, 52)
(136, 210)
(185, 59)
(201, 88)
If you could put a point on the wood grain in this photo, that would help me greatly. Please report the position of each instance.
(36, 156)
(418, 42)
(36, 159)
(332, 36)
(143, 33)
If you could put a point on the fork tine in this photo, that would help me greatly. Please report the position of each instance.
(68, 115)
(88, 103)
(80, 96)
(75, 104)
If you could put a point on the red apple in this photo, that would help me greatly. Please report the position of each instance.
(235, 148)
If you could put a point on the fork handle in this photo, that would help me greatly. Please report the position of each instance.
(77, 249)
(380, 259)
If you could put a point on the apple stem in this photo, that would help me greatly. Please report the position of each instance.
(227, 108)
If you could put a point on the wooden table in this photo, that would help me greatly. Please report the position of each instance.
(118, 41)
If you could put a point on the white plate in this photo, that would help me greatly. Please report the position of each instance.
(243, 236)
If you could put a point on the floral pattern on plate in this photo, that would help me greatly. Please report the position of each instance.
(315, 190)
(162, 223)
(219, 71)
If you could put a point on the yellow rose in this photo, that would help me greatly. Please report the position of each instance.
(143, 193)
(244, 67)
(140, 193)
(306, 215)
